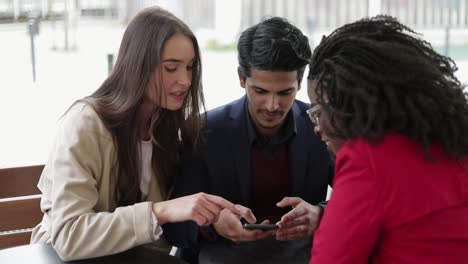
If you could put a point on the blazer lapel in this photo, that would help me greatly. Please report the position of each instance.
(240, 147)
(299, 156)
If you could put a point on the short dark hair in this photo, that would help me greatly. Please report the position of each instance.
(274, 44)
(376, 76)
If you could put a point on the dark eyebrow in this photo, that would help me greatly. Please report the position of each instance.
(176, 60)
(282, 91)
(257, 87)
(171, 60)
(286, 90)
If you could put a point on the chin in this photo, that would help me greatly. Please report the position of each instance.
(269, 126)
(172, 107)
(272, 124)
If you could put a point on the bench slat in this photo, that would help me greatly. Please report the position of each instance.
(20, 214)
(13, 240)
(19, 204)
(20, 181)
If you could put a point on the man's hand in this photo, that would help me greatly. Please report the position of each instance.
(300, 222)
(230, 227)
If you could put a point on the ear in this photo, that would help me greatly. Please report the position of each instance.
(241, 77)
(299, 85)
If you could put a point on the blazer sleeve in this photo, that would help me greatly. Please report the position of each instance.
(76, 164)
(350, 226)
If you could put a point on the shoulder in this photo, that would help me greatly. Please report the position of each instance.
(301, 105)
(218, 113)
(231, 111)
(83, 139)
(299, 109)
(302, 120)
(81, 118)
(224, 110)
(360, 151)
(386, 144)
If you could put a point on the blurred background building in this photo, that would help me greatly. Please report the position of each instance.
(53, 52)
(225, 19)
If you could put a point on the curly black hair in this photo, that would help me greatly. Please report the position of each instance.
(377, 76)
(274, 44)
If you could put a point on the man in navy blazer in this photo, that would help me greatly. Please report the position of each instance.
(261, 153)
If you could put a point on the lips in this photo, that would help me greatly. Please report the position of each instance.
(179, 95)
(271, 115)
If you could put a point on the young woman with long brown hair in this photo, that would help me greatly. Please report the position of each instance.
(111, 169)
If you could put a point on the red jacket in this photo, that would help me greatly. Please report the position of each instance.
(391, 205)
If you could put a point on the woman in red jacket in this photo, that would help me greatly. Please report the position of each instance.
(396, 117)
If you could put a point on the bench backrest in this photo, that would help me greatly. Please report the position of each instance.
(19, 204)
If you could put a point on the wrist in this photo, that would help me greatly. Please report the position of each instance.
(322, 206)
(159, 210)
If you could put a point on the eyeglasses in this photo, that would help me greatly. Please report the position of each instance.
(314, 114)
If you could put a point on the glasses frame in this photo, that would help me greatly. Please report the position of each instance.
(314, 114)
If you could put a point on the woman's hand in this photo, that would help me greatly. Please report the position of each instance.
(202, 208)
(300, 222)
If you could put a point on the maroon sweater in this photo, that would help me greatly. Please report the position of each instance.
(271, 181)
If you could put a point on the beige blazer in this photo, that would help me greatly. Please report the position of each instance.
(80, 218)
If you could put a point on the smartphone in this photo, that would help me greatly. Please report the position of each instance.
(263, 227)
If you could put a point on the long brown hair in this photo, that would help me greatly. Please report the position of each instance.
(118, 99)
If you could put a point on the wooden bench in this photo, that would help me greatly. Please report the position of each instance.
(19, 204)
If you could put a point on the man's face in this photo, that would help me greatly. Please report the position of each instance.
(270, 96)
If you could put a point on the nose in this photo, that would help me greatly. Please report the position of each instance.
(185, 78)
(272, 103)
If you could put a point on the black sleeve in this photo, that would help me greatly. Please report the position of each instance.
(331, 172)
(190, 180)
(193, 175)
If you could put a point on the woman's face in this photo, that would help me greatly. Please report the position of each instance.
(321, 121)
(177, 59)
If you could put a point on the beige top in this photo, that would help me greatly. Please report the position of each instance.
(80, 218)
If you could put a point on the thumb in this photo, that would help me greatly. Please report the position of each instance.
(289, 201)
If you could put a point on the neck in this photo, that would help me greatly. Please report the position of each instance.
(266, 132)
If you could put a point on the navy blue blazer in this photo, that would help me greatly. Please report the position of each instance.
(222, 164)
